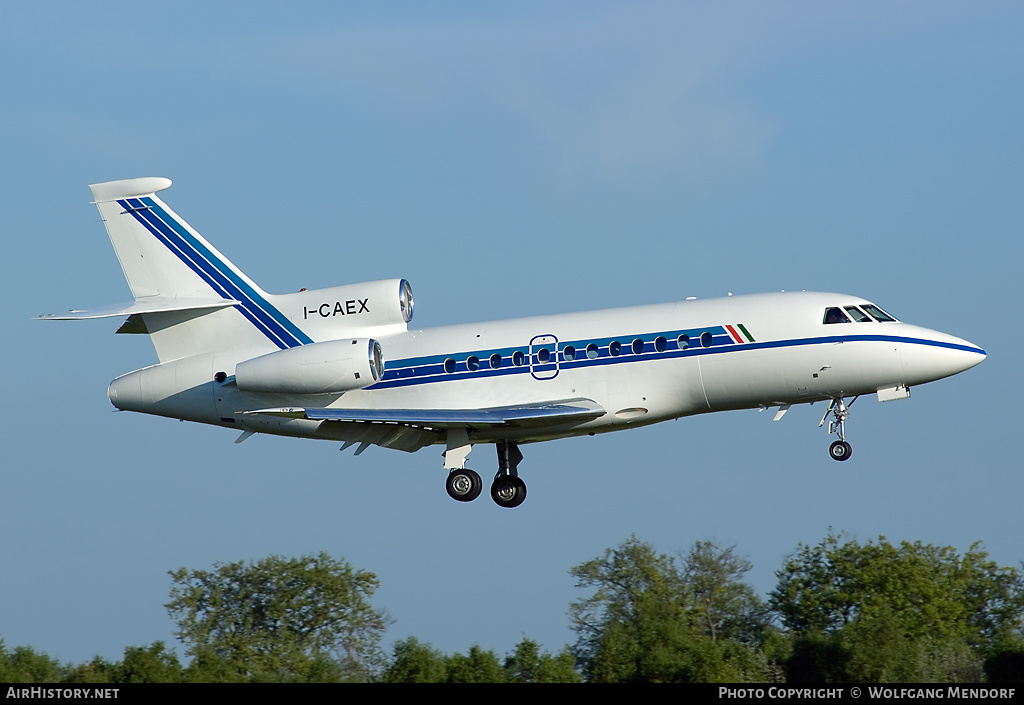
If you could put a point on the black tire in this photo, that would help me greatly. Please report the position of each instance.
(508, 491)
(464, 485)
(840, 450)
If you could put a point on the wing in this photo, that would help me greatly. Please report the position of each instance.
(412, 429)
(537, 414)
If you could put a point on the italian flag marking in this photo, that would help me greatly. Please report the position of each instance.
(736, 336)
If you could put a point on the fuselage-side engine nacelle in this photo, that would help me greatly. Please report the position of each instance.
(330, 367)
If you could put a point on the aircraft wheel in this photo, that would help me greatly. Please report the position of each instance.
(464, 485)
(508, 491)
(840, 450)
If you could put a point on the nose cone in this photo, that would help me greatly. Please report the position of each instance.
(929, 355)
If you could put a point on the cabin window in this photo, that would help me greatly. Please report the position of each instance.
(835, 315)
(449, 365)
(518, 358)
(683, 341)
(472, 363)
(706, 340)
(878, 314)
(592, 352)
(543, 356)
(568, 353)
(638, 346)
(495, 361)
(614, 348)
(857, 315)
(660, 344)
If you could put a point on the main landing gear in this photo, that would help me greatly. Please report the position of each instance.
(465, 485)
(839, 450)
(508, 489)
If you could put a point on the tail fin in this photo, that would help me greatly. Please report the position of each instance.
(190, 298)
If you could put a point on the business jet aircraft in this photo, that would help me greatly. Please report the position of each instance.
(312, 364)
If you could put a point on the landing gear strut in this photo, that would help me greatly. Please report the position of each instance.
(839, 450)
(508, 490)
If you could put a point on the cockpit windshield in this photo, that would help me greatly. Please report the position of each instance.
(878, 314)
(835, 315)
(846, 314)
(857, 314)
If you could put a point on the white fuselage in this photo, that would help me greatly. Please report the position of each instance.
(645, 364)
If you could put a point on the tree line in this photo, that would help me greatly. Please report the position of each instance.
(842, 612)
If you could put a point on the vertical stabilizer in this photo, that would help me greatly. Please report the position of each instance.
(166, 261)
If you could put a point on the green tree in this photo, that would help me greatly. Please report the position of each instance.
(149, 664)
(825, 587)
(913, 612)
(476, 666)
(25, 665)
(417, 662)
(141, 664)
(814, 657)
(883, 648)
(726, 605)
(528, 664)
(414, 661)
(649, 619)
(633, 627)
(281, 619)
(1006, 664)
(99, 670)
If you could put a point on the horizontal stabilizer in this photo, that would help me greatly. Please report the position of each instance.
(540, 414)
(141, 306)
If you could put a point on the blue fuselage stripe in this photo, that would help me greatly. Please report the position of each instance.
(426, 370)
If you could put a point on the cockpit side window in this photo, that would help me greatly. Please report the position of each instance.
(857, 315)
(835, 315)
(877, 313)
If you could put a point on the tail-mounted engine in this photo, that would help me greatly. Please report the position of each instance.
(333, 366)
(326, 312)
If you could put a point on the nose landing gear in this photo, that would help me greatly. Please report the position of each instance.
(839, 450)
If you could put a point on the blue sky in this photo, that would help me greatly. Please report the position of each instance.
(509, 160)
